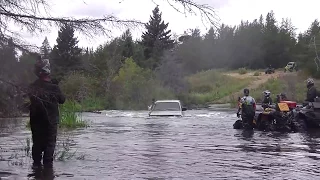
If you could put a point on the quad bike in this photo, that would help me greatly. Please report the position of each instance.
(309, 116)
(269, 70)
(274, 118)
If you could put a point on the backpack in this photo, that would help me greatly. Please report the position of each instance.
(247, 108)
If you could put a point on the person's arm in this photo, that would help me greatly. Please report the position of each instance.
(311, 94)
(59, 95)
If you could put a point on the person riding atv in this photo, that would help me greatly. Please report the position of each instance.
(267, 101)
(308, 116)
(312, 92)
(275, 117)
(281, 97)
(269, 70)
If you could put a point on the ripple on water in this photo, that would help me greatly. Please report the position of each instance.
(202, 145)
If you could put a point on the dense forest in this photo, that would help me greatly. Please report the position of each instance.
(126, 73)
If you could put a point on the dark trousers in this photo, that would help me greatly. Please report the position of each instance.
(44, 136)
(247, 122)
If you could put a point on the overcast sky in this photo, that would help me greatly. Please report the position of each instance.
(230, 12)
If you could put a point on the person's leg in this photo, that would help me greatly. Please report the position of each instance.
(247, 122)
(36, 143)
(51, 137)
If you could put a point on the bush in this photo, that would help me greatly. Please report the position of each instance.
(135, 87)
(256, 74)
(69, 117)
(242, 71)
(77, 86)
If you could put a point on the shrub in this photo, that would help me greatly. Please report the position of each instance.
(242, 71)
(77, 86)
(69, 118)
(256, 74)
(135, 87)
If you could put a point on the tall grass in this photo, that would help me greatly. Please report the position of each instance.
(70, 116)
(209, 86)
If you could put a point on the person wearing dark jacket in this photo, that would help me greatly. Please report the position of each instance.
(312, 92)
(44, 114)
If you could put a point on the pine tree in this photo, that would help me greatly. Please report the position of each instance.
(157, 38)
(45, 49)
(66, 55)
(128, 45)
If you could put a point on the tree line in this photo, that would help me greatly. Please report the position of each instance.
(126, 73)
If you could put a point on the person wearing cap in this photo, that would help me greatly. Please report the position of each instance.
(247, 108)
(44, 113)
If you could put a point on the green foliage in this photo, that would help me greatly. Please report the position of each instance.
(256, 73)
(156, 39)
(78, 86)
(290, 85)
(66, 55)
(212, 85)
(136, 87)
(45, 49)
(242, 71)
(69, 117)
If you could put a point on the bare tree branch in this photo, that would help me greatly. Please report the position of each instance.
(27, 14)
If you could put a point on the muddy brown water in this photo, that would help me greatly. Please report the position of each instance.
(127, 145)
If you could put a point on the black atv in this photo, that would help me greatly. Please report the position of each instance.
(269, 70)
(274, 119)
(309, 116)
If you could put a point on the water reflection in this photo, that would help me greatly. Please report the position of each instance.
(42, 173)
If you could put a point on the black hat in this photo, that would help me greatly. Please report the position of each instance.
(246, 91)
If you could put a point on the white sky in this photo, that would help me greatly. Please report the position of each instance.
(230, 12)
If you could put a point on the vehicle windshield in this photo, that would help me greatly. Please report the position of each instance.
(167, 106)
(290, 64)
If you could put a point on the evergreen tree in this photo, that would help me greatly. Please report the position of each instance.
(66, 55)
(156, 39)
(45, 49)
(128, 45)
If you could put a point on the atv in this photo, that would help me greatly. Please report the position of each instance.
(309, 116)
(269, 70)
(276, 118)
(290, 67)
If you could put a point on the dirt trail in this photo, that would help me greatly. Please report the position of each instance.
(263, 78)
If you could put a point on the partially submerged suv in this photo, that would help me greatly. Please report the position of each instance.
(167, 108)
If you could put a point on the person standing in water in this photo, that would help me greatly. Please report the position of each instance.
(247, 108)
(44, 97)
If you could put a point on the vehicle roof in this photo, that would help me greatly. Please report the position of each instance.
(291, 62)
(177, 101)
